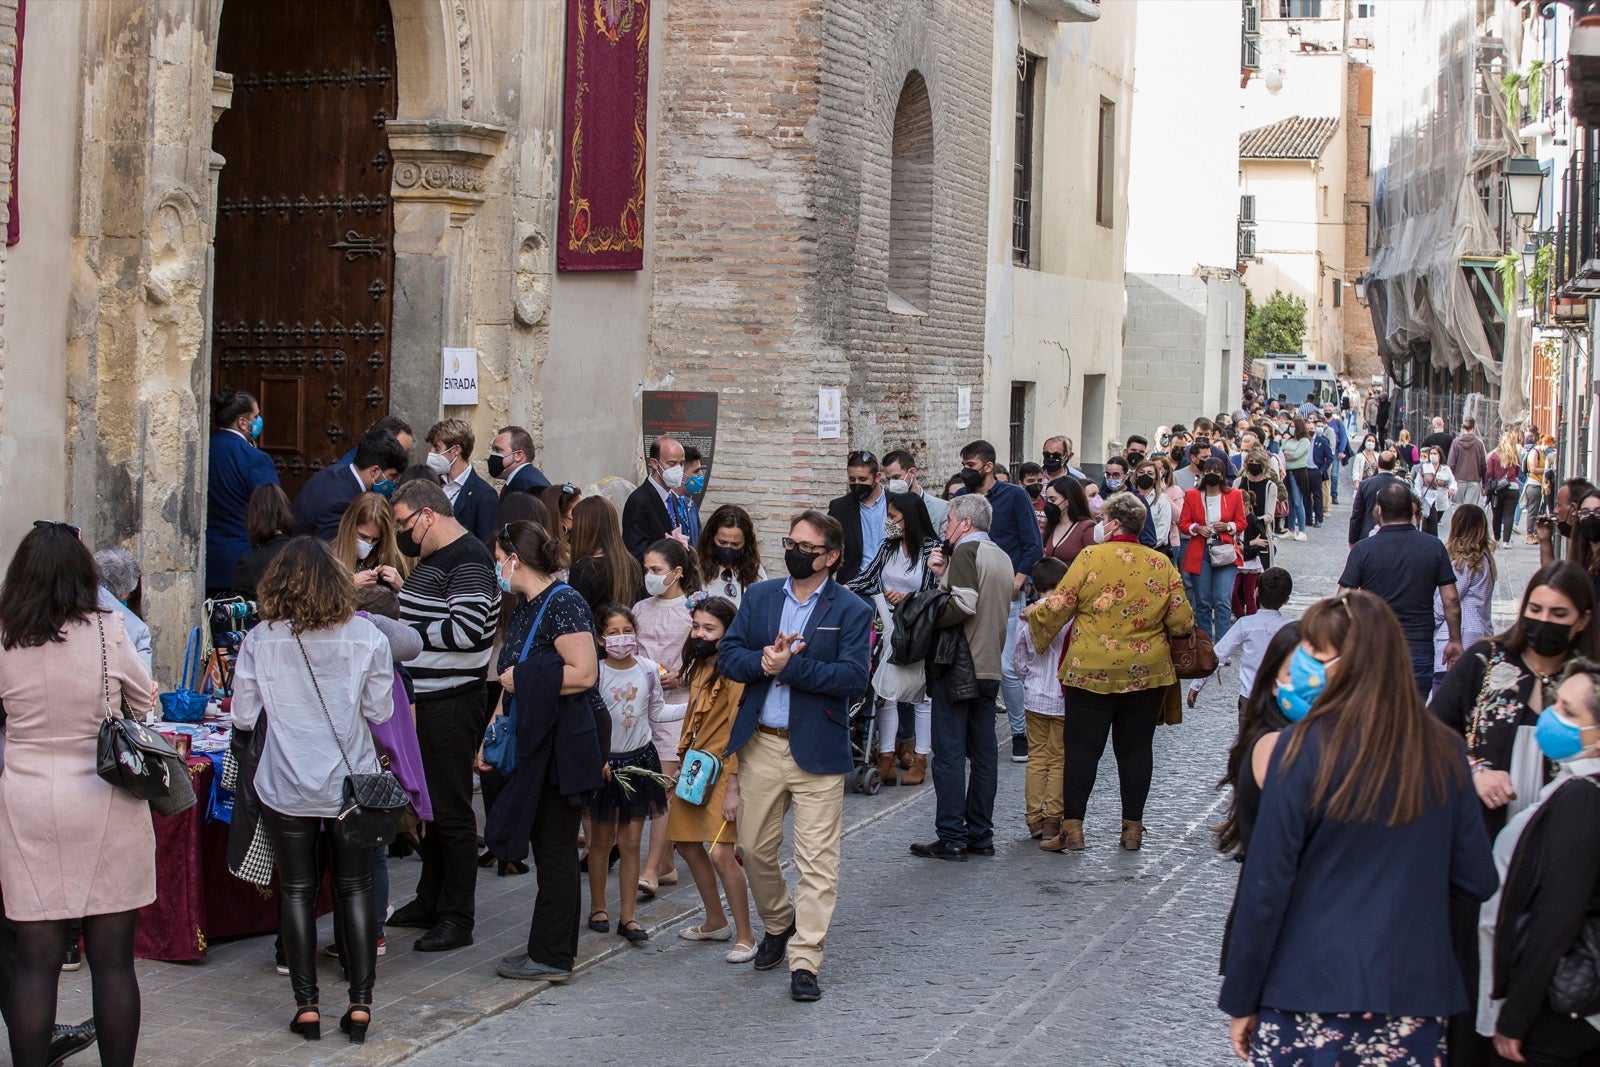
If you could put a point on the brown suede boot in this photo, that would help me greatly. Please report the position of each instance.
(1132, 835)
(1048, 828)
(886, 768)
(917, 772)
(905, 751)
(1036, 828)
(1069, 839)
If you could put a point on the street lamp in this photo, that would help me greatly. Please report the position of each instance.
(1361, 289)
(1530, 258)
(1524, 185)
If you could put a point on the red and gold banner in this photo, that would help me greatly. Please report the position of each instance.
(606, 111)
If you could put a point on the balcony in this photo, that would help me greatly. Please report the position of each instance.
(1576, 271)
(1583, 70)
(1065, 10)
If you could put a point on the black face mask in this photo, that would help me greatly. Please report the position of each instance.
(1053, 461)
(860, 492)
(699, 648)
(1052, 514)
(1254, 468)
(407, 542)
(801, 564)
(1145, 482)
(1211, 481)
(970, 478)
(1180, 456)
(1033, 490)
(496, 464)
(1589, 526)
(728, 556)
(947, 548)
(1564, 528)
(1547, 638)
(1134, 458)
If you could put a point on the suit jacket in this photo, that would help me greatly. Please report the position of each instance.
(525, 479)
(644, 519)
(847, 509)
(323, 500)
(830, 672)
(1361, 520)
(238, 469)
(475, 507)
(1194, 513)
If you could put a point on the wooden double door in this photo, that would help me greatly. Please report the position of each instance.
(305, 224)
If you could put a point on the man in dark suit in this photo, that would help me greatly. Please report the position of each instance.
(238, 469)
(800, 646)
(511, 459)
(395, 427)
(1361, 516)
(471, 498)
(861, 512)
(379, 459)
(647, 513)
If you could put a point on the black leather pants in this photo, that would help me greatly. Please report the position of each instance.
(296, 839)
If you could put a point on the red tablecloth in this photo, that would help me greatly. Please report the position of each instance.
(196, 898)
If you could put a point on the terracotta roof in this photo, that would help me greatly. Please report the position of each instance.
(1296, 137)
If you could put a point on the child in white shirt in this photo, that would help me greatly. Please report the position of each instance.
(1046, 708)
(1252, 633)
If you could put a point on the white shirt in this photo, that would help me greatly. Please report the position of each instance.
(452, 488)
(1252, 633)
(634, 698)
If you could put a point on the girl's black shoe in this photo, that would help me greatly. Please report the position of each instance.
(310, 1029)
(356, 1029)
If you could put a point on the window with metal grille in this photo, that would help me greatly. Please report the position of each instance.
(1250, 53)
(1022, 166)
(1338, 293)
(1299, 9)
(1367, 11)
(1105, 165)
(1247, 209)
(1021, 401)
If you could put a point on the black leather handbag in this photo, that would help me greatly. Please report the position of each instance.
(1575, 985)
(135, 758)
(371, 804)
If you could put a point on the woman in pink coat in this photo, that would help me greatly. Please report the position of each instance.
(71, 845)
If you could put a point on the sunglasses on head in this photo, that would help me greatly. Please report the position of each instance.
(37, 523)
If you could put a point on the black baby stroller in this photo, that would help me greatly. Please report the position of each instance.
(863, 716)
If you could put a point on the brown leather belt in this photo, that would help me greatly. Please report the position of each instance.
(773, 730)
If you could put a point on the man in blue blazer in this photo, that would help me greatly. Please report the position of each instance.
(511, 460)
(325, 496)
(801, 647)
(238, 469)
(473, 500)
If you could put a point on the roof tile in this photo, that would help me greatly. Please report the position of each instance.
(1296, 137)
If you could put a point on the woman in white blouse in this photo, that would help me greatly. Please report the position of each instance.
(1435, 486)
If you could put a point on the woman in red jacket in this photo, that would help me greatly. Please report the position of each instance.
(1213, 520)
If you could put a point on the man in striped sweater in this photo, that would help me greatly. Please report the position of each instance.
(453, 600)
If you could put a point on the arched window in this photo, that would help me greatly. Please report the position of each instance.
(911, 200)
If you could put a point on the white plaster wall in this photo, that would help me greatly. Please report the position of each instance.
(1183, 178)
(1056, 324)
(33, 425)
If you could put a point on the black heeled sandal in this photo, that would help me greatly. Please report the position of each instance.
(356, 1030)
(310, 1029)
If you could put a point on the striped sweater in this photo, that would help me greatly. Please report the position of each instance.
(453, 601)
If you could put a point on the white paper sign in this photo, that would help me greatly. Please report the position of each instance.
(460, 383)
(830, 422)
(963, 407)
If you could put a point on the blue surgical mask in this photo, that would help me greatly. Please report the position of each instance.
(255, 426)
(385, 487)
(697, 484)
(1308, 677)
(502, 577)
(1559, 739)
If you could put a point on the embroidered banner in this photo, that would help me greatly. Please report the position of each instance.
(603, 165)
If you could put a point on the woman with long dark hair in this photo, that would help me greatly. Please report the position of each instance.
(1069, 524)
(320, 673)
(270, 522)
(1365, 789)
(603, 571)
(71, 845)
(730, 559)
(1259, 725)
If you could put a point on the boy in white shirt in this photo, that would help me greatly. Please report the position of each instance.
(1252, 633)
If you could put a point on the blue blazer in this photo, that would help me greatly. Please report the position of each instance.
(527, 479)
(824, 678)
(323, 500)
(475, 507)
(1352, 917)
(238, 469)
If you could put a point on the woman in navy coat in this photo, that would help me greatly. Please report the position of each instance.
(1369, 824)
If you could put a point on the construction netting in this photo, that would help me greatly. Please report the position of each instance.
(1439, 124)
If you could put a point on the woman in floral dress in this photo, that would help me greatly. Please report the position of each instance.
(1493, 696)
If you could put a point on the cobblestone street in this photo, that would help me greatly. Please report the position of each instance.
(1100, 958)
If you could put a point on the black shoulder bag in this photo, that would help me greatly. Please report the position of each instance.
(372, 803)
(1575, 985)
(135, 758)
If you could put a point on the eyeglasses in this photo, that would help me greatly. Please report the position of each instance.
(1583, 513)
(804, 546)
(64, 525)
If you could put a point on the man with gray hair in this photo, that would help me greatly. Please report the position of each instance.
(119, 577)
(977, 573)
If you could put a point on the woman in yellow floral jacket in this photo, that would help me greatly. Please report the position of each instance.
(1122, 601)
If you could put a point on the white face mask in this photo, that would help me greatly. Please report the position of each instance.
(363, 548)
(899, 485)
(655, 584)
(672, 477)
(1100, 533)
(439, 463)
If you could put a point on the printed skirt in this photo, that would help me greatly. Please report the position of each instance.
(1348, 1039)
(626, 797)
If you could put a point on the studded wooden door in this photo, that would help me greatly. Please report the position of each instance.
(305, 225)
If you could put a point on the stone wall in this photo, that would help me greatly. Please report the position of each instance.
(1183, 348)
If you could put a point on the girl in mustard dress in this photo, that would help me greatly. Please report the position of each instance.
(713, 703)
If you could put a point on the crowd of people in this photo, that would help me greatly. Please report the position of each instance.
(628, 687)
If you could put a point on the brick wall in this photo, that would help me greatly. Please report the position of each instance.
(1360, 343)
(771, 239)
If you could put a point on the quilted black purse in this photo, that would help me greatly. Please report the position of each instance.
(135, 758)
(1575, 985)
(371, 804)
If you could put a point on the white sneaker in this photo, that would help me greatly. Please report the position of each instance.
(1301, 536)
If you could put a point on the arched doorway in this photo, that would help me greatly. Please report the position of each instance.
(303, 293)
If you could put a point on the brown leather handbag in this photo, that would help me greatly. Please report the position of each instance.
(1192, 654)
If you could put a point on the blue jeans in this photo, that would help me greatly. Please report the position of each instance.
(1211, 596)
(963, 733)
(1422, 670)
(1010, 684)
(1297, 505)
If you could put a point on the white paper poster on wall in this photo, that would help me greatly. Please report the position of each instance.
(460, 383)
(830, 422)
(963, 407)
